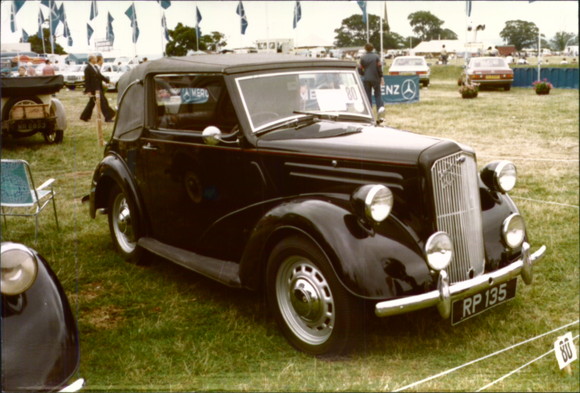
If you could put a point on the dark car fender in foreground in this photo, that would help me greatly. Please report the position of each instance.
(40, 340)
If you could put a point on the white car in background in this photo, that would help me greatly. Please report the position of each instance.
(113, 72)
(74, 76)
(411, 65)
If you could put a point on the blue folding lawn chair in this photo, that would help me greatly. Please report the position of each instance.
(19, 197)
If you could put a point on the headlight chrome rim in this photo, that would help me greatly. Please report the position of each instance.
(505, 176)
(19, 269)
(439, 250)
(514, 231)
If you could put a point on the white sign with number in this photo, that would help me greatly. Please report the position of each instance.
(565, 350)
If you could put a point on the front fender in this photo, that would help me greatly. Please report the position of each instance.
(378, 263)
(58, 109)
(110, 171)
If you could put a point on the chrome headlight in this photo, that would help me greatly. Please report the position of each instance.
(514, 231)
(500, 176)
(19, 268)
(373, 201)
(439, 250)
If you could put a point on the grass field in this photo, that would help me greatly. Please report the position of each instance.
(162, 328)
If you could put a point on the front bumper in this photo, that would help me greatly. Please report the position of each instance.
(445, 294)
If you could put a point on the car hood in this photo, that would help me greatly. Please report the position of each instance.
(350, 141)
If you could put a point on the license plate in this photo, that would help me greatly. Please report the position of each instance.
(477, 303)
(492, 77)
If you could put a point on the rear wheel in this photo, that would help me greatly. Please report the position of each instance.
(315, 312)
(123, 225)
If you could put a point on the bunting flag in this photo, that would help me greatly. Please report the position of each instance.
(197, 20)
(45, 3)
(131, 14)
(94, 10)
(297, 14)
(24, 36)
(109, 32)
(243, 19)
(468, 8)
(66, 30)
(164, 25)
(363, 7)
(39, 34)
(90, 32)
(12, 18)
(54, 16)
(18, 5)
(386, 27)
(165, 4)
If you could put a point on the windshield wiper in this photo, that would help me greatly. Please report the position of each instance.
(297, 123)
(333, 116)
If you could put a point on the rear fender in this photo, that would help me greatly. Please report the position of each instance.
(378, 263)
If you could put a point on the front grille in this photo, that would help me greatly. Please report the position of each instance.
(458, 212)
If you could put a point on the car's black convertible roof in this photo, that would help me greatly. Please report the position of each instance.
(30, 85)
(227, 64)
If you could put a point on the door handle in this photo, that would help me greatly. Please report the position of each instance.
(149, 146)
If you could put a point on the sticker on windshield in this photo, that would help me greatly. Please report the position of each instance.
(331, 100)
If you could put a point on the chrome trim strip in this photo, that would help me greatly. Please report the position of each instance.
(446, 294)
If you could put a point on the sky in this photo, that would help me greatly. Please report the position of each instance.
(273, 19)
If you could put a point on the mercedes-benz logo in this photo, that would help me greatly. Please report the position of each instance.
(409, 89)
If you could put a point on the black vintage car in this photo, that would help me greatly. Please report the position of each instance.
(40, 341)
(271, 172)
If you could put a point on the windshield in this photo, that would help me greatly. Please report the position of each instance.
(274, 98)
(488, 62)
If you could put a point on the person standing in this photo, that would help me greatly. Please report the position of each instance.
(48, 69)
(93, 83)
(371, 69)
(105, 107)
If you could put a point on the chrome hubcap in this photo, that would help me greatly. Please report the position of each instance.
(305, 300)
(123, 225)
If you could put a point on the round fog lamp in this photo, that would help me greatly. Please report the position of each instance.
(19, 269)
(439, 250)
(514, 230)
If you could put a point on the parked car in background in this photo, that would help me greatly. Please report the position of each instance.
(74, 76)
(113, 72)
(411, 65)
(490, 72)
(40, 339)
(271, 173)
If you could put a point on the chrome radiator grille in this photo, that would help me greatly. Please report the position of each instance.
(458, 212)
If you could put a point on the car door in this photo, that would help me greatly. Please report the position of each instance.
(190, 184)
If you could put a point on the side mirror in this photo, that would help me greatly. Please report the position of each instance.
(212, 135)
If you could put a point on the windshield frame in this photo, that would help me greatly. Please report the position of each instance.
(367, 114)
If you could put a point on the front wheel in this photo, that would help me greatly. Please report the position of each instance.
(315, 312)
(123, 225)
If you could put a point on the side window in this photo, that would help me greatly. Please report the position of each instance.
(189, 102)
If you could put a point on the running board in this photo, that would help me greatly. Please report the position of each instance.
(225, 272)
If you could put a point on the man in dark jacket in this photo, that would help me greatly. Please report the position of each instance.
(93, 83)
(371, 69)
